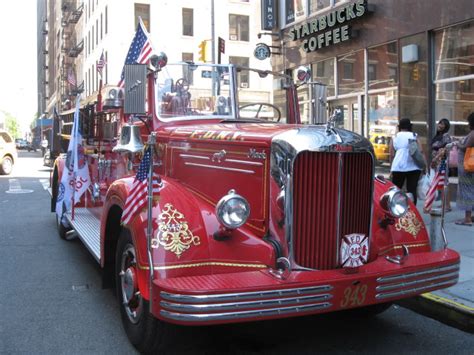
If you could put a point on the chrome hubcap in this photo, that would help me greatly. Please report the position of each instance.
(131, 297)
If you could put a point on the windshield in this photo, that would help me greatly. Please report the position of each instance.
(191, 91)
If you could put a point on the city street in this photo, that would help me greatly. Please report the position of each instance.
(52, 302)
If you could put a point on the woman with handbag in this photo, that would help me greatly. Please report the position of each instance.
(438, 151)
(465, 194)
(404, 167)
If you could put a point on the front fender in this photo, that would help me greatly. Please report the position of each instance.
(409, 231)
(183, 240)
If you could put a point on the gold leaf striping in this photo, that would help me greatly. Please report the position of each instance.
(173, 232)
(409, 223)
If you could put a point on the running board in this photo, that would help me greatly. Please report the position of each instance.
(87, 227)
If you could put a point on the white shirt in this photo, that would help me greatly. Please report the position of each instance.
(403, 160)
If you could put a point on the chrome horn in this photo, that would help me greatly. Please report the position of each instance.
(130, 140)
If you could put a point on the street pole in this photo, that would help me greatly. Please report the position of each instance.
(213, 40)
(213, 34)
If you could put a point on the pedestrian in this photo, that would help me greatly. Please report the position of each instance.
(44, 145)
(403, 166)
(439, 152)
(465, 194)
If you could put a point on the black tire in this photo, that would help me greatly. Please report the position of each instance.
(144, 331)
(6, 166)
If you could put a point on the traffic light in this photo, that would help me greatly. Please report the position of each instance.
(202, 51)
(415, 74)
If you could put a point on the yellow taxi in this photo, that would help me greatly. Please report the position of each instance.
(381, 143)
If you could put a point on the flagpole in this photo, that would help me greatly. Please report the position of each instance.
(149, 228)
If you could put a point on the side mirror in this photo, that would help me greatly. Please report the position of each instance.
(303, 74)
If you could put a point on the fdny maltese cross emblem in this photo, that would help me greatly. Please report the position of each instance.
(354, 250)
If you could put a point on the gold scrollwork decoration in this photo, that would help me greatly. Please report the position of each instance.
(173, 232)
(409, 223)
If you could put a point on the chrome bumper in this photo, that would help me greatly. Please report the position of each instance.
(209, 306)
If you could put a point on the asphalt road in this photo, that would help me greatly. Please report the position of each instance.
(51, 301)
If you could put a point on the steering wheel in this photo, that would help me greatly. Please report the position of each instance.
(182, 85)
(261, 105)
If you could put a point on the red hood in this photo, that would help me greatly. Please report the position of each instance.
(259, 134)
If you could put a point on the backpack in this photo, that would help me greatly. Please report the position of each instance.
(415, 153)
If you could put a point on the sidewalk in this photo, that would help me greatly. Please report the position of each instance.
(454, 305)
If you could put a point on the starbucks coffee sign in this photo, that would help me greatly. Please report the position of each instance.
(330, 28)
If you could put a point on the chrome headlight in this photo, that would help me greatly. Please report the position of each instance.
(232, 210)
(395, 202)
(113, 93)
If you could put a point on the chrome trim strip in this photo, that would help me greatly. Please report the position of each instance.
(255, 163)
(410, 291)
(416, 282)
(221, 168)
(219, 307)
(194, 156)
(245, 314)
(238, 296)
(386, 279)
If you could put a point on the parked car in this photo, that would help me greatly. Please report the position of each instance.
(8, 153)
(21, 143)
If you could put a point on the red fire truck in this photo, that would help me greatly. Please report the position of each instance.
(257, 217)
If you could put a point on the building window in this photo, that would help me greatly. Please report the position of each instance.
(187, 73)
(293, 11)
(242, 76)
(350, 69)
(188, 22)
(238, 28)
(324, 73)
(318, 5)
(97, 32)
(143, 11)
(93, 42)
(382, 67)
(372, 69)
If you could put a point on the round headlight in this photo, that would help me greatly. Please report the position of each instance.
(232, 210)
(395, 202)
(112, 94)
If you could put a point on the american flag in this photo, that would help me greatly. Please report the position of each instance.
(101, 64)
(137, 197)
(140, 50)
(71, 78)
(438, 183)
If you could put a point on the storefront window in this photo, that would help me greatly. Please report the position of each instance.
(454, 51)
(350, 70)
(413, 87)
(454, 76)
(383, 66)
(323, 72)
(455, 101)
(383, 112)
